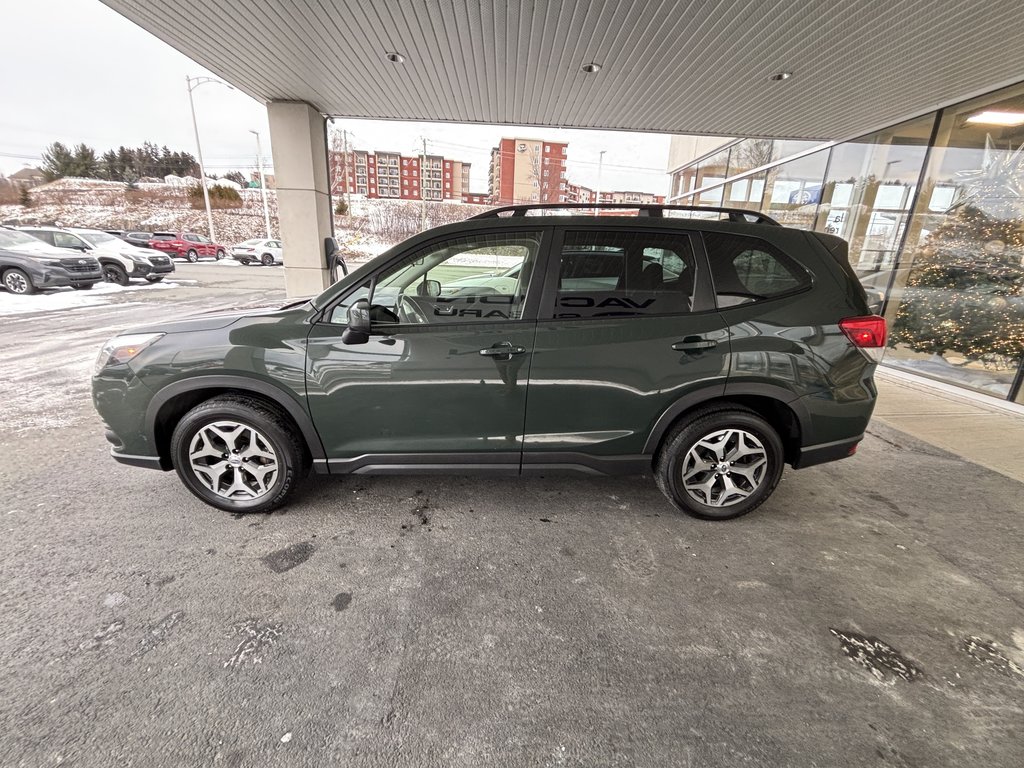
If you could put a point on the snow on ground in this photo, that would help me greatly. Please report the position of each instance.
(68, 298)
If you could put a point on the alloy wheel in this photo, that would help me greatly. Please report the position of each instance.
(233, 460)
(724, 467)
(15, 282)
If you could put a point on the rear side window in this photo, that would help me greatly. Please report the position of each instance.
(624, 274)
(748, 269)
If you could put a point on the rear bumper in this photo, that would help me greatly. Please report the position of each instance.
(810, 455)
(146, 462)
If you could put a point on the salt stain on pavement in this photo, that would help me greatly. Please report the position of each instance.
(157, 634)
(879, 658)
(257, 637)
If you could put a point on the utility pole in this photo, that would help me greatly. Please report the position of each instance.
(263, 182)
(597, 193)
(423, 192)
(193, 83)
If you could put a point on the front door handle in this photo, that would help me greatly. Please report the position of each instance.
(502, 351)
(691, 343)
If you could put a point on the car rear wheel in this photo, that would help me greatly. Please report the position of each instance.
(720, 464)
(18, 282)
(266, 260)
(237, 454)
(113, 273)
(220, 254)
(192, 256)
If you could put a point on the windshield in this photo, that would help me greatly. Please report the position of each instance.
(9, 238)
(97, 237)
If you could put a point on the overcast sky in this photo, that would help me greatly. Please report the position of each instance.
(77, 71)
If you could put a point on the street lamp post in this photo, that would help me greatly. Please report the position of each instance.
(263, 181)
(600, 162)
(193, 83)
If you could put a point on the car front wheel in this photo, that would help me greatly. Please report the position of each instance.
(721, 463)
(192, 256)
(18, 282)
(237, 454)
(112, 273)
(220, 254)
(267, 260)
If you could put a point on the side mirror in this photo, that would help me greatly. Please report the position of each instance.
(429, 288)
(358, 329)
(330, 248)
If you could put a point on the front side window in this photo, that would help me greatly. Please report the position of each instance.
(64, 240)
(477, 278)
(624, 274)
(746, 269)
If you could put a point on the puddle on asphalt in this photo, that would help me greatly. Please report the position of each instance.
(285, 559)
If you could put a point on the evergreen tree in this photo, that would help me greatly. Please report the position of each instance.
(24, 197)
(84, 163)
(57, 161)
(236, 177)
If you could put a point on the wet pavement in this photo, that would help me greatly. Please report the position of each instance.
(871, 613)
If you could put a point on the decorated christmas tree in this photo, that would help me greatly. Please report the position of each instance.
(966, 291)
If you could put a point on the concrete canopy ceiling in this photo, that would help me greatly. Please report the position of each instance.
(691, 66)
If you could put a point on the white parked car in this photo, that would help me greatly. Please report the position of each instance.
(265, 252)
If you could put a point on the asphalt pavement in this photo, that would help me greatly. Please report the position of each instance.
(871, 613)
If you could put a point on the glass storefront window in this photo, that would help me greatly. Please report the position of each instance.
(868, 192)
(745, 193)
(793, 189)
(956, 306)
(750, 154)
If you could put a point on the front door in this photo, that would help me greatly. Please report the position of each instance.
(627, 328)
(442, 379)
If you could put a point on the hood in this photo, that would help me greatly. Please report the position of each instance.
(222, 318)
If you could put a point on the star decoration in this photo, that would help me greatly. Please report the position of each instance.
(997, 188)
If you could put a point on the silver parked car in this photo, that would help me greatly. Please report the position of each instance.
(265, 252)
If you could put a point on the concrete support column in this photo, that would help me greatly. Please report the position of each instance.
(298, 136)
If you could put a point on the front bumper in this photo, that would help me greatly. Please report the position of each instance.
(161, 265)
(57, 277)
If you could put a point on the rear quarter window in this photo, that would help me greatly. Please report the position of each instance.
(748, 269)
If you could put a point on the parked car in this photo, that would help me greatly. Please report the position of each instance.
(120, 261)
(28, 265)
(187, 245)
(265, 252)
(138, 239)
(708, 353)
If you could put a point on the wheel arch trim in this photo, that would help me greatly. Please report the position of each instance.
(715, 393)
(275, 394)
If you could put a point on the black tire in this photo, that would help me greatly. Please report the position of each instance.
(114, 273)
(267, 260)
(704, 424)
(245, 262)
(17, 282)
(274, 428)
(82, 286)
(191, 256)
(154, 278)
(220, 254)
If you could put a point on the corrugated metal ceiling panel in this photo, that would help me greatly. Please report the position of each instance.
(688, 66)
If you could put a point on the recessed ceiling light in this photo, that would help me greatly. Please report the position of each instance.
(592, 68)
(394, 57)
(993, 117)
(782, 76)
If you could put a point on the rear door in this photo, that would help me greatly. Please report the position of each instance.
(627, 327)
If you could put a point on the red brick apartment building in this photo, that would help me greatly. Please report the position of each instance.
(395, 176)
(528, 171)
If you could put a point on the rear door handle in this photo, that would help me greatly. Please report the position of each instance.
(502, 351)
(691, 343)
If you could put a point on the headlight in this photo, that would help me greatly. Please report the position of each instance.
(48, 262)
(121, 349)
(137, 258)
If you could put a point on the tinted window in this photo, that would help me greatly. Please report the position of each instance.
(746, 269)
(64, 240)
(609, 274)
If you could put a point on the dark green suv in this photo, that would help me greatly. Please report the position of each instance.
(709, 352)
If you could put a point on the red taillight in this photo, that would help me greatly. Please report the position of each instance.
(865, 332)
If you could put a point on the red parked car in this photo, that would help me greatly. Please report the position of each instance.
(187, 245)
